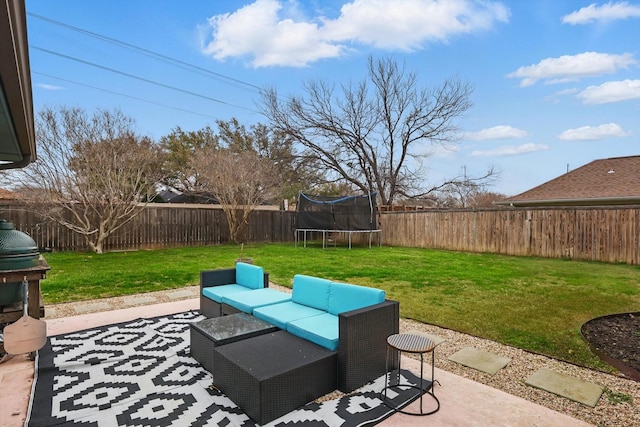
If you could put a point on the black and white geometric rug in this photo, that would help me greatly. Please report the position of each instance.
(140, 373)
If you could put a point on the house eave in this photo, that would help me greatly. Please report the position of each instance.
(17, 136)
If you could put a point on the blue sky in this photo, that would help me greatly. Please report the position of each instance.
(557, 83)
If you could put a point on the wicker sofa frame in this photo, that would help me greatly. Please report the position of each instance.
(362, 347)
(208, 278)
(363, 333)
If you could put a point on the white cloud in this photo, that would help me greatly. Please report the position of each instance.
(408, 24)
(590, 133)
(271, 36)
(566, 92)
(608, 92)
(49, 87)
(555, 97)
(257, 31)
(496, 132)
(511, 150)
(438, 150)
(572, 68)
(607, 12)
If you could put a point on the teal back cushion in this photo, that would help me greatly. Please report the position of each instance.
(346, 297)
(311, 291)
(249, 276)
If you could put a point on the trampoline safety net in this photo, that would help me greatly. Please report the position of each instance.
(345, 213)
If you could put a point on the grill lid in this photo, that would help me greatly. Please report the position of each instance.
(17, 249)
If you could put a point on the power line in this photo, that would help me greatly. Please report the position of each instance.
(133, 76)
(150, 53)
(122, 94)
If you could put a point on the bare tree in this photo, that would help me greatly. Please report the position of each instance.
(93, 173)
(486, 199)
(372, 134)
(240, 181)
(292, 172)
(461, 191)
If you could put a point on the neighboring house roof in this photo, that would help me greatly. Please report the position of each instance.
(614, 181)
(169, 196)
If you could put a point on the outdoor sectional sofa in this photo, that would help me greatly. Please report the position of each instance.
(352, 321)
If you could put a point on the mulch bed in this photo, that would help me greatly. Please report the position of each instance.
(616, 340)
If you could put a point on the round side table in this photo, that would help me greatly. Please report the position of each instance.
(409, 343)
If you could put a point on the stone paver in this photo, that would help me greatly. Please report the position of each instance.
(566, 386)
(480, 360)
(140, 300)
(185, 293)
(50, 313)
(91, 307)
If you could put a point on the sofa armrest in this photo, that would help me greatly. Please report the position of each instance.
(224, 276)
(210, 278)
(362, 348)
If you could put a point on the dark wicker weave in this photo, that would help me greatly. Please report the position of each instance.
(362, 349)
(202, 348)
(227, 309)
(208, 307)
(271, 375)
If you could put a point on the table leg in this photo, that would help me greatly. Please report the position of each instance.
(387, 383)
(387, 376)
(34, 299)
(421, 381)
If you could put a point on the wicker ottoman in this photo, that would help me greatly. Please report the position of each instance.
(272, 374)
(209, 333)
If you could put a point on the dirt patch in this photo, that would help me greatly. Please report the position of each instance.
(616, 340)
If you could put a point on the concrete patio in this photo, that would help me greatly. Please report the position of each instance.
(463, 402)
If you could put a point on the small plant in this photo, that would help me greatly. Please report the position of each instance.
(617, 397)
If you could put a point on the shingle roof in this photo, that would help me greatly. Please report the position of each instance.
(601, 182)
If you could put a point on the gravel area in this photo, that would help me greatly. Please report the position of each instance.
(618, 406)
(83, 307)
(613, 408)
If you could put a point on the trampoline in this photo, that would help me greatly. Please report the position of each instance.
(334, 215)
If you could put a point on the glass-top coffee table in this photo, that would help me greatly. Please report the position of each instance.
(216, 331)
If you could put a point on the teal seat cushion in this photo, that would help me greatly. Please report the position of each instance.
(285, 312)
(216, 293)
(311, 291)
(250, 300)
(249, 275)
(321, 330)
(346, 297)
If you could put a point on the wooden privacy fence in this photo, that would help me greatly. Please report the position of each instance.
(608, 234)
(159, 225)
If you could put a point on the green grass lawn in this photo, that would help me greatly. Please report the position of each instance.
(531, 303)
